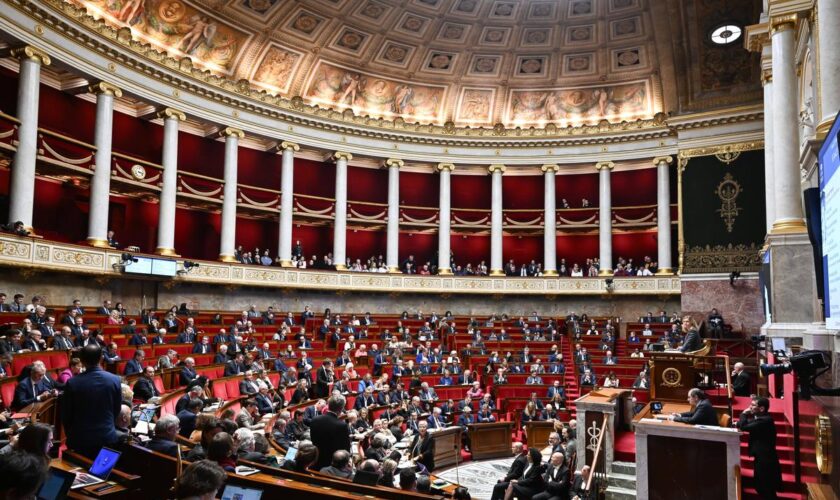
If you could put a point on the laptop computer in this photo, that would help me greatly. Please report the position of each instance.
(99, 470)
(232, 492)
(56, 485)
(144, 420)
(291, 453)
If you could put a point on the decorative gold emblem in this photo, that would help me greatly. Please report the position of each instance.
(823, 444)
(138, 172)
(671, 377)
(728, 191)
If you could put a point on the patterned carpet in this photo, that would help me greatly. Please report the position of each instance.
(479, 477)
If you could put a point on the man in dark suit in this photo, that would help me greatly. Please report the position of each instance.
(187, 417)
(48, 329)
(130, 328)
(248, 387)
(515, 471)
(166, 429)
(221, 356)
(195, 392)
(105, 309)
(323, 378)
(329, 433)
(144, 388)
(135, 364)
(555, 478)
(692, 340)
(35, 388)
(90, 405)
(188, 373)
(203, 347)
(234, 366)
(740, 380)
(78, 327)
(757, 421)
(63, 341)
(703, 413)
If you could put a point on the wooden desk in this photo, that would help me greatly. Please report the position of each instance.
(538, 432)
(447, 446)
(678, 461)
(490, 440)
(118, 491)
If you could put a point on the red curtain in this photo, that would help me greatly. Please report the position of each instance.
(576, 187)
(471, 191)
(419, 189)
(523, 192)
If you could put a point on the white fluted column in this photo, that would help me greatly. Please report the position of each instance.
(788, 196)
(340, 224)
(100, 184)
(444, 217)
(828, 20)
(605, 216)
(287, 188)
(227, 245)
(392, 255)
(496, 260)
(22, 188)
(168, 192)
(769, 170)
(663, 214)
(550, 221)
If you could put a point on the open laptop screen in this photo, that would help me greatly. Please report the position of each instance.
(232, 492)
(57, 485)
(104, 463)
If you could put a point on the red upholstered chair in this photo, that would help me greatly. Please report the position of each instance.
(220, 391)
(7, 390)
(159, 384)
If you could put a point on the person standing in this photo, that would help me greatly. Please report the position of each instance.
(740, 380)
(329, 433)
(756, 420)
(90, 405)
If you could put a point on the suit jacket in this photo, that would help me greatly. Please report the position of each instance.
(62, 343)
(187, 419)
(32, 345)
(425, 449)
(47, 331)
(328, 435)
(185, 337)
(703, 414)
(187, 375)
(138, 339)
(531, 478)
(163, 446)
(232, 368)
(322, 382)
(26, 391)
(556, 480)
(132, 366)
(762, 431)
(202, 349)
(516, 469)
(692, 342)
(264, 404)
(220, 358)
(90, 403)
(247, 388)
(144, 389)
(741, 384)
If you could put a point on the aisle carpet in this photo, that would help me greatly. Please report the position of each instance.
(479, 477)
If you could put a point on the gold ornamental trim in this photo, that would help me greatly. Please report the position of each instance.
(825, 461)
(496, 168)
(782, 23)
(722, 151)
(31, 53)
(604, 164)
(288, 145)
(671, 377)
(232, 132)
(721, 258)
(553, 168)
(394, 162)
(171, 113)
(659, 159)
(105, 88)
(445, 166)
(340, 155)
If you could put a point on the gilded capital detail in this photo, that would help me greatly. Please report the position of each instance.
(604, 164)
(339, 155)
(31, 53)
(231, 131)
(496, 168)
(394, 162)
(445, 166)
(550, 168)
(660, 159)
(171, 113)
(105, 88)
(782, 23)
(288, 145)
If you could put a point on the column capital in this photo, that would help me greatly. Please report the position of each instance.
(31, 53)
(394, 162)
(604, 164)
(340, 155)
(171, 113)
(283, 146)
(553, 168)
(232, 132)
(105, 88)
(756, 36)
(660, 159)
(445, 166)
(783, 23)
(766, 77)
(496, 168)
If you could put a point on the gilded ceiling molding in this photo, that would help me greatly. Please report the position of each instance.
(723, 150)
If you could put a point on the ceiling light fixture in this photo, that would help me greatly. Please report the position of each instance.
(726, 33)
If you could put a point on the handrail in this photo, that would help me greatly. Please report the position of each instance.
(595, 455)
(9, 117)
(124, 156)
(63, 137)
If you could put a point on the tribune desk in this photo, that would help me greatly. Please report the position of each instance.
(679, 461)
(615, 405)
(490, 440)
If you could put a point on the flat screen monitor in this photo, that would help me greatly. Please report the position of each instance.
(232, 492)
(829, 160)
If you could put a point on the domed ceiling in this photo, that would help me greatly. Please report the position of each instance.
(471, 62)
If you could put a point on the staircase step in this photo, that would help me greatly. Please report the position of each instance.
(614, 493)
(625, 481)
(624, 468)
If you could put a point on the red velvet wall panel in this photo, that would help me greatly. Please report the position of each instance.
(634, 245)
(257, 233)
(634, 187)
(8, 97)
(577, 248)
(136, 137)
(422, 245)
(367, 184)
(60, 211)
(520, 192)
(67, 114)
(314, 178)
(576, 187)
(201, 155)
(471, 191)
(316, 240)
(471, 249)
(419, 189)
(522, 249)
(135, 222)
(259, 168)
(197, 233)
(364, 244)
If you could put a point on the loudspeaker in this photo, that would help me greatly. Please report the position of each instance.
(813, 215)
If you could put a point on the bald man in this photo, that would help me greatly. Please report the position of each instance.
(740, 380)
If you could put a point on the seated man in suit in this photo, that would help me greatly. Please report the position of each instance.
(555, 479)
(166, 429)
(194, 392)
(187, 416)
(249, 415)
(515, 471)
(609, 359)
(188, 373)
(135, 364)
(221, 356)
(203, 347)
(35, 388)
(235, 366)
(248, 386)
(703, 412)
(144, 388)
(588, 378)
(464, 420)
(556, 388)
(435, 420)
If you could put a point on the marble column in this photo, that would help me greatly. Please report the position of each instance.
(392, 255)
(788, 189)
(496, 261)
(287, 181)
(769, 171)
(605, 216)
(227, 245)
(828, 63)
(340, 224)
(444, 216)
(22, 187)
(549, 221)
(169, 189)
(100, 184)
(663, 214)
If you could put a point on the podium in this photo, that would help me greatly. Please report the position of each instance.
(678, 461)
(538, 432)
(614, 405)
(447, 446)
(490, 440)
